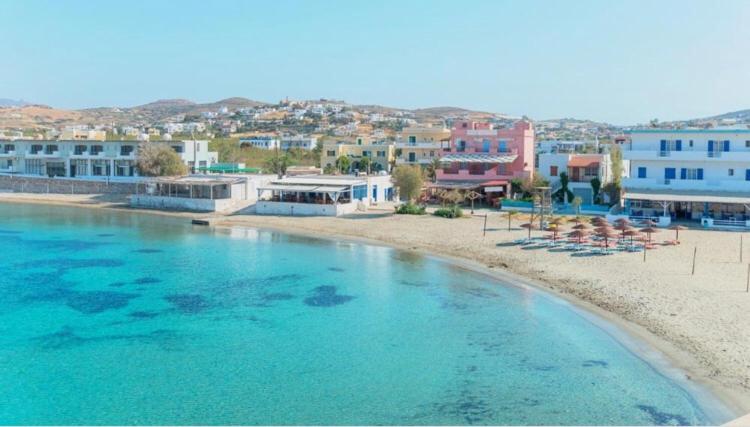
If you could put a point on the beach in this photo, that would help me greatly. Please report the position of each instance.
(698, 320)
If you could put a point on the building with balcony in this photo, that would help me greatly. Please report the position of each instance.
(83, 158)
(382, 154)
(580, 169)
(421, 145)
(694, 174)
(484, 158)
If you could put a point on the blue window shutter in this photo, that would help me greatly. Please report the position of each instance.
(700, 173)
(663, 145)
(747, 174)
(679, 145)
(641, 172)
(726, 145)
(669, 173)
(710, 146)
(683, 173)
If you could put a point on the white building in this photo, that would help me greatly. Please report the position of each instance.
(323, 195)
(694, 174)
(299, 142)
(87, 159)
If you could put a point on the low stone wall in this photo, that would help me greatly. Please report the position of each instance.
(263, 207)
(42, 185)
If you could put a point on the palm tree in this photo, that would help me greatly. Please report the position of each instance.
(432, 169)
(365, 163)
(343, 163)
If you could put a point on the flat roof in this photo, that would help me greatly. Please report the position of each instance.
(687, 131)
(322, 180)
(304, 188)
(199, 180)
(689, 196)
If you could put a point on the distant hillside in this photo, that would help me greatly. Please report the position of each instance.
(6, 102)
(742, 115)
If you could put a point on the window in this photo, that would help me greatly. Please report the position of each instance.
(365, 154)
(35, 149)
(691, 143)
(502, 169)
(9, 147)
(49, 149)
(502, 146)
(641, 172)
(486, 146)
(692, 174)
(380, 153)
(591, 171)
(670, 173)
(331, 153)
(96, 149)
(79, 149)
(731, 172)
(177, 148)
(412, 139)
(126, 150)
(553, 171)
(359, 192)
(747, 174)
(747, 144)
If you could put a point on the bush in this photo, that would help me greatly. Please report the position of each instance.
(410, 209)
(452, 212)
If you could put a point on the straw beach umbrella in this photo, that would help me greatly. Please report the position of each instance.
(530, 226)
(581, 226)
(578, 234)
(554, 228)
(607, 235)
(677, 228)
(632, 232)
(622, 221)
(649, 231)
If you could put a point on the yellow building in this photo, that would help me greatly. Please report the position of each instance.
(421, 145)
(83, 135)
(381, 153)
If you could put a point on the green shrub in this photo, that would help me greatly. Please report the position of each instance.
(452, 212)
(410, 209)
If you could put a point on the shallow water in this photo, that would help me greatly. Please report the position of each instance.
(119, 318)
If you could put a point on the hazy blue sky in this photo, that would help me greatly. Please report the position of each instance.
(619, 61)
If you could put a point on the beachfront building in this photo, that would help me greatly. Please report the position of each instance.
(581, 169)
(89, 159)
(288, 142)
(382, 154)
(421, 145)
(693, 174)
(202, 193)
(485, 159)
(323, 195)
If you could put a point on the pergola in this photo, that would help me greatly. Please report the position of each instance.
(300, 192)
(194, 187)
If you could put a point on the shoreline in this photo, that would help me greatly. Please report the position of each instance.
(678, 363)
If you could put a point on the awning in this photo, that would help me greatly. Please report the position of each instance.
(697, 197)
(494, 185)
(478, 158)
(454, 185)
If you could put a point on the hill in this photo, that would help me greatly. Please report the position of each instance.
(6, 102)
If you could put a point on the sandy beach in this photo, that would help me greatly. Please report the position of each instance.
(699, 321)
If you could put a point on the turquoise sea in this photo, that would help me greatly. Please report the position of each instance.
(123, 318)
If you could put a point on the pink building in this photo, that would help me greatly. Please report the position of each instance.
(483, 157)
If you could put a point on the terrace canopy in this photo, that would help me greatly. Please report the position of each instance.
(193, 187)
(334, 192)
(690, 196)
(478, 158)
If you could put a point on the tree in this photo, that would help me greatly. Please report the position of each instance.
(159, 160)
(432, 169)
(596, 186)
(408, 179)
(279, 164)
(364, 164)
(615, 157)
(564, 194)
(343, 163)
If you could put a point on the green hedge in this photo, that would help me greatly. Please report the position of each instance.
(453, 212)
(410, 209)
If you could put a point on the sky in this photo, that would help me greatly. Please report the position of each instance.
(623, 62)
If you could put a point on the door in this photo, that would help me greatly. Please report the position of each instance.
(412, 157)
(72, 170)
(375, 193)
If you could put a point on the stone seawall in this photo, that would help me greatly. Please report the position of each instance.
(42, 185)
